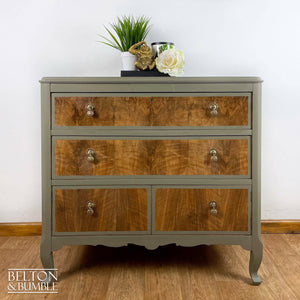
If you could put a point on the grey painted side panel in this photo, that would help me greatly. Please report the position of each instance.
(46, 158)
(256, 245)
(256, 158)
(46, 241)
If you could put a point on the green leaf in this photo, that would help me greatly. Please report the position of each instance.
(126, 31)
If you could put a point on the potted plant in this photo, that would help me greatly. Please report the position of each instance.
(126, 32)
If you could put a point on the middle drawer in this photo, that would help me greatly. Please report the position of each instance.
(178, 156)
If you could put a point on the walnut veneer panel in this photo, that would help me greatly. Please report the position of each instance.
(116, 210)
(155, 111)
(188, 210)
(193, 111)
(192, 157)
(151, 157)
(109, 111)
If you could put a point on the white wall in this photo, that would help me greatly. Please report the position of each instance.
(218, 37)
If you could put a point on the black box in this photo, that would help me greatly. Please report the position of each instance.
(146, 73)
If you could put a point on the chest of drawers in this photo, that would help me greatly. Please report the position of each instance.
(151, 161)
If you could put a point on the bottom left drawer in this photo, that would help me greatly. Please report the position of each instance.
(107, 209)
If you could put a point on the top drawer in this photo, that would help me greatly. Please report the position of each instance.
(201, 110)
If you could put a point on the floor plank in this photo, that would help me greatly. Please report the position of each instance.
(203, 272)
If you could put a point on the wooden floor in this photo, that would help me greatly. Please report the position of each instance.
(169, 272)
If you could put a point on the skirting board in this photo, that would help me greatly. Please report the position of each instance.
(21, 229)
(33, 229)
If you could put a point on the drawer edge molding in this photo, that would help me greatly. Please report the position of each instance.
(150, 87)
(157, 180)
(144, 132)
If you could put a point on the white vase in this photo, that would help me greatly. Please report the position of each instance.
(128, 61)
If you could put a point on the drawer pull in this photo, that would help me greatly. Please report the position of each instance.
(213, 207)
(90, 110)
(90, 155)
(90, 208)
(213, 109)
(214, 155)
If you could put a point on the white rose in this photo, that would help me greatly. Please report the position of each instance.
(170, 61)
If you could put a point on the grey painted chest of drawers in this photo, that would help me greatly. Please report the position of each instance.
(151, 161)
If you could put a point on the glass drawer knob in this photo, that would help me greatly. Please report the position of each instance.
(90, 155)
(90, 110)
(213, 109)
(213, 207)
(214, 155)
(90, 208)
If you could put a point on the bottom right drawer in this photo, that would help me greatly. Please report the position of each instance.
(202, 209)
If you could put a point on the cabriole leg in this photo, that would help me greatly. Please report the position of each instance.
(46, 255)
(255, 261)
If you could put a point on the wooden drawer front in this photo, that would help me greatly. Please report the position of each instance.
(189, 210)
(152, 111)
(115, 210)
(196, 111)
(108, 111)
(151, 157)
